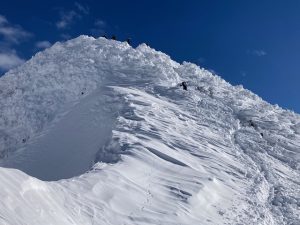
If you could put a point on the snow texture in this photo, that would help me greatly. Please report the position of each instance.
(93, 131)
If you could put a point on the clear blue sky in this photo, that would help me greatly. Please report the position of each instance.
(253, 43)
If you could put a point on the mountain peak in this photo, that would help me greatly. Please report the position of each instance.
(122, 142)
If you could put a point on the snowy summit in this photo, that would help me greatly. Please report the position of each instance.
(93, 131)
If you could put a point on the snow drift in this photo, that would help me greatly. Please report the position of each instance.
(93, 131)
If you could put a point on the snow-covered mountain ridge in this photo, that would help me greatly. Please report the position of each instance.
(148, 151)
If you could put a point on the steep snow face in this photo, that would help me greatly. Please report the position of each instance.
(136, 148)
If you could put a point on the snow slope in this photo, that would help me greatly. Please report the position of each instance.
(105, 135)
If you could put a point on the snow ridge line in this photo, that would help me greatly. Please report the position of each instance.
(192, 128)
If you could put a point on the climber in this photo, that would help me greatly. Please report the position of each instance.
(128, 41)
(252, 124)
(114, 37)
(184, 85)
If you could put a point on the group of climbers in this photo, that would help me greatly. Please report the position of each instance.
(183, 84)
(113, 37)
(250, 122)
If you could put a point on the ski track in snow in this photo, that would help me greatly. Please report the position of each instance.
(137, 149)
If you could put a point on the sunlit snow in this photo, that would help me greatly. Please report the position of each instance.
(93, 131)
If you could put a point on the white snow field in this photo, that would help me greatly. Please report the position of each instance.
(93, 131)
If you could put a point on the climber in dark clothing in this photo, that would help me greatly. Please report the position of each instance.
(254, 125)
(114, 37)
(128, 41)
(184, 85)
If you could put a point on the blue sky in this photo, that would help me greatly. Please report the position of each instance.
(253, 43)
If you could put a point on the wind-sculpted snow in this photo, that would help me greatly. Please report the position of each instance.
(135, 147)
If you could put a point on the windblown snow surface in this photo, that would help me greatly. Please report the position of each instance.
(93, 131)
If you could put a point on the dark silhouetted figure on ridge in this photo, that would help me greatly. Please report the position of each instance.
(184, 85)
(114, 37)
